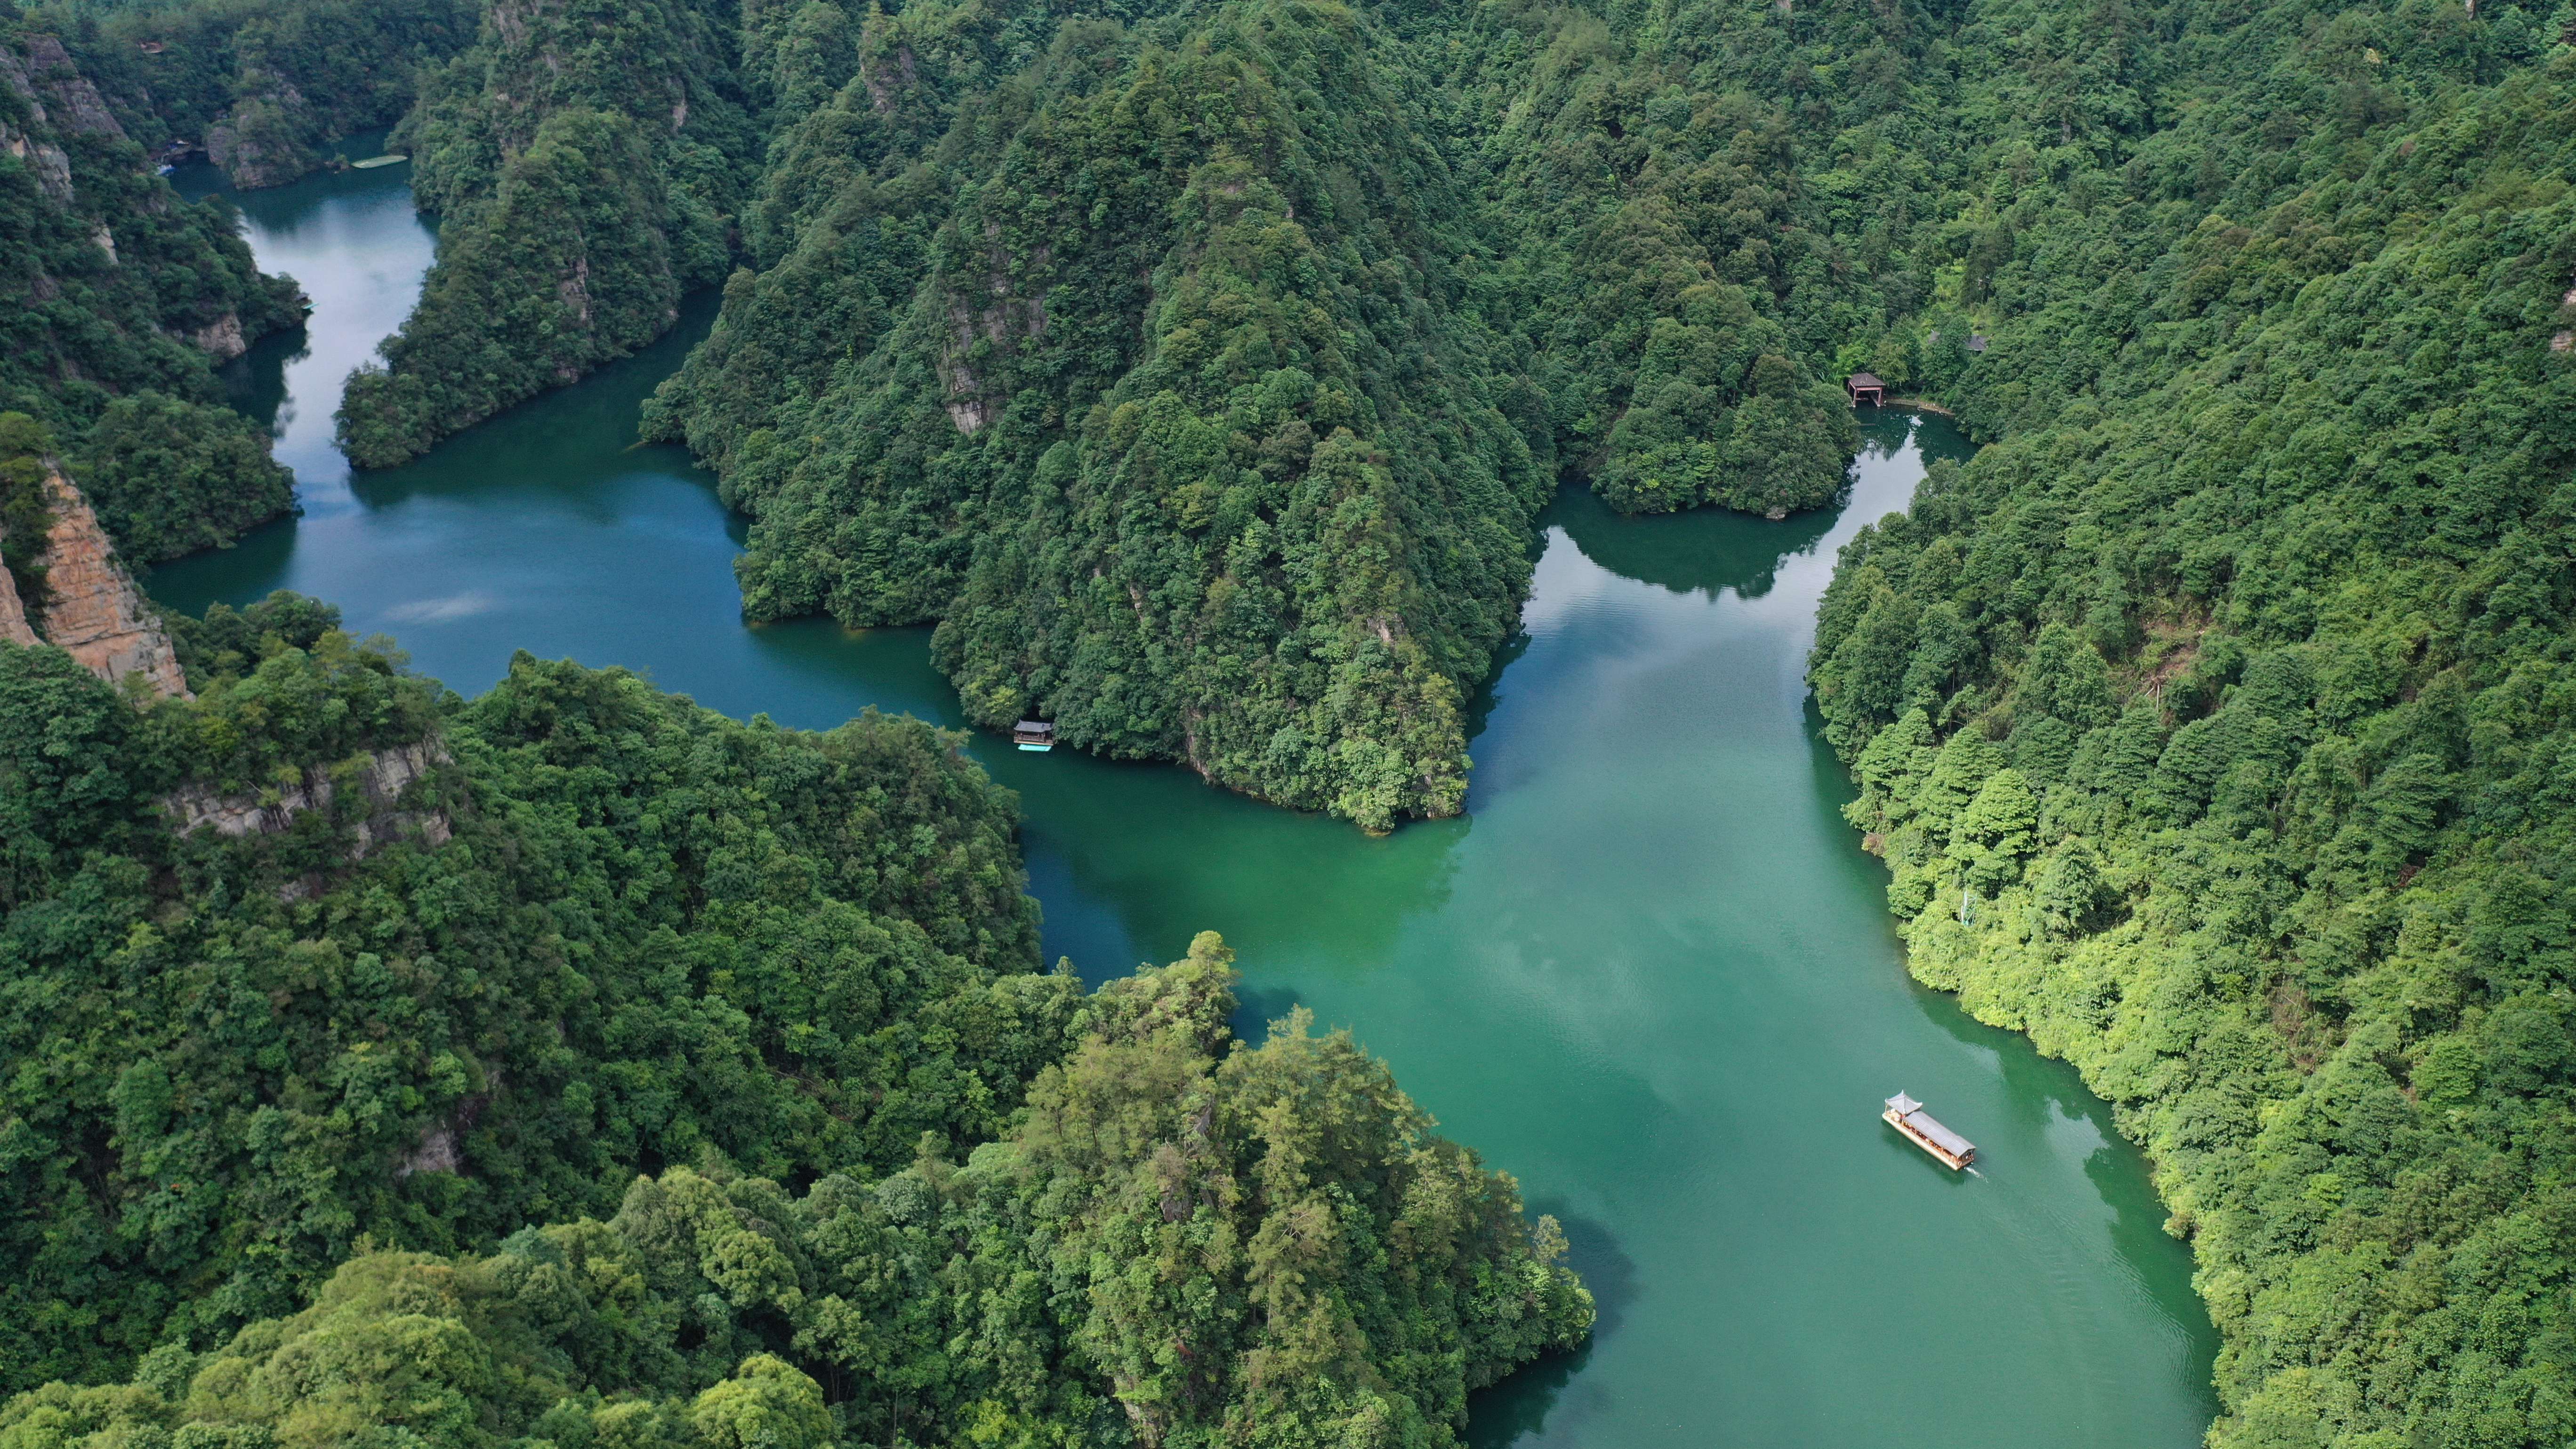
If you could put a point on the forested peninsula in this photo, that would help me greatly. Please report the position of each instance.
(703, 1073)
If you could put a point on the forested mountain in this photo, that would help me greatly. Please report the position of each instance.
(1199, 367)
(1170, 432)
(116, 301)
(1179, 1245)
(1176, 360)
(266, 88)
(586, 158)
(2215, 721)
(325, 959)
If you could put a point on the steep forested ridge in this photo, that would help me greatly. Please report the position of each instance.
(116, 299)
(2215, 721)
(1636, 245)
(1199, 366)
(265, 88)
(586, 158)
(325, 960)
(1227, 458)
(1172, 431)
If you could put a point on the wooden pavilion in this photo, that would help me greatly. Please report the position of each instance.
(1865, 387)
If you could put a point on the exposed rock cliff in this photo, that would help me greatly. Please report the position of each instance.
(13, 614)
(222, 338)
(51, 166)
(47, 74)
(380, 777)
(92, 608)
(251, 160)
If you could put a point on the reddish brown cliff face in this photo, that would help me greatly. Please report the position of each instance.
(13, 614)
(92, 608)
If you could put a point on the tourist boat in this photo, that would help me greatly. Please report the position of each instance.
(1907, 1116)
(1033, 734)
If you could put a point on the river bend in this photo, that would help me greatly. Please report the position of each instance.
(1650, 972)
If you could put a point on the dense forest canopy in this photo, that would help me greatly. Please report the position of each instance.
(116, 301)
(586, 157)
(1199, 366)
(1046, 322)
(266, 89)
(1174, 359)
(528, 946)
(2215, 722)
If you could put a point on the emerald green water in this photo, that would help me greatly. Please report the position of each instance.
(1650, 972)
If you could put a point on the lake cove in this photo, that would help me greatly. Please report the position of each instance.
(1650, 972)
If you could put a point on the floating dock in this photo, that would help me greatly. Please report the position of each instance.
(1033, 734)
(1907, 1116)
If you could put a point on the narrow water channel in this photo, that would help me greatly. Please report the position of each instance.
(1650, 972)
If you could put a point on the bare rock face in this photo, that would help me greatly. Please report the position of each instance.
(52, 168)
(254, 155)
(237, 157)
(379, 775)
(13, 613)
(94, 610)
(77, 105)
(222, 338)
(437, 1152)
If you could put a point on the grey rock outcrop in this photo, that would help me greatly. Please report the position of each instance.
(222, 338)
(380, 776)
(56, 91)
(52, 167)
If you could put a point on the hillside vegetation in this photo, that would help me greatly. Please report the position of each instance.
(767, 1001)
(585, 158)
(117, 300)
(2215, 721)
(1199, 367)
(1188, 364)
(267, 89)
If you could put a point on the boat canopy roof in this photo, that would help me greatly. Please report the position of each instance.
(1947, 1140)
(1903, 1104)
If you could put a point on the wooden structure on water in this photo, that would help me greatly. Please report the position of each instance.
(1033, 734)
(1907, 1116)
(1865, 387)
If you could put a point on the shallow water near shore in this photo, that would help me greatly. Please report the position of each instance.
(1650, 972)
